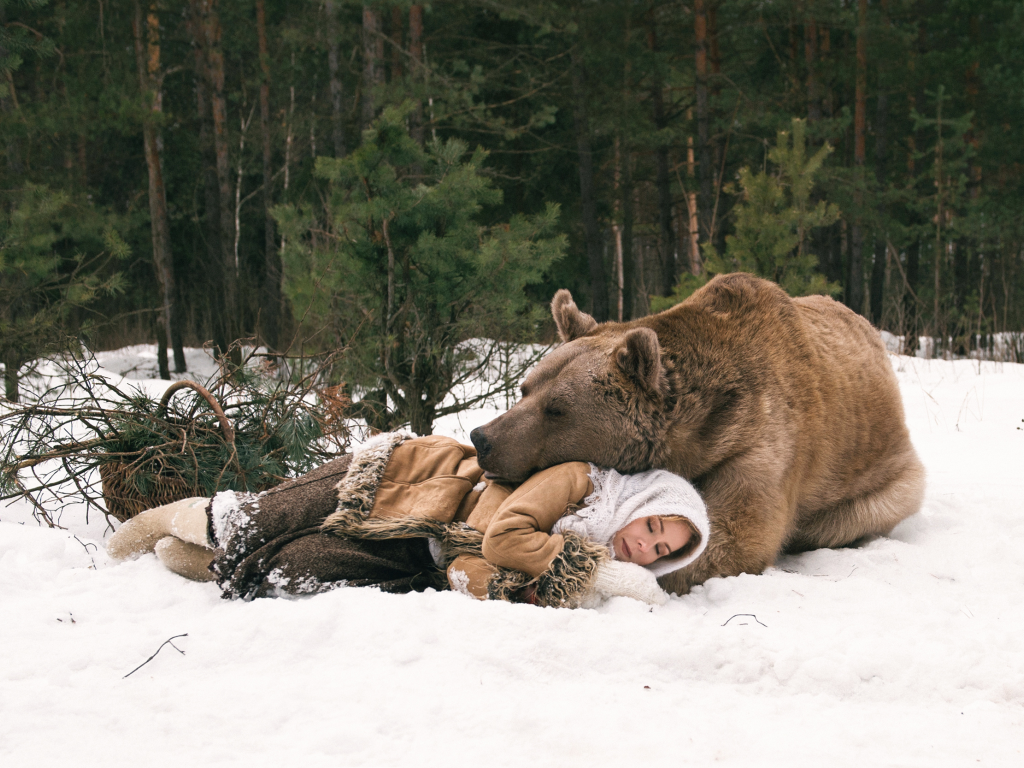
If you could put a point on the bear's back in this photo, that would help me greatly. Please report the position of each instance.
(818, 367)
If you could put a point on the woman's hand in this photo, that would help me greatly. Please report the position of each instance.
(618, 579)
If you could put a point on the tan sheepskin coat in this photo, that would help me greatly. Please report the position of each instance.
(495, 540)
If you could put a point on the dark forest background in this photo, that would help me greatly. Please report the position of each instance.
(171, 169)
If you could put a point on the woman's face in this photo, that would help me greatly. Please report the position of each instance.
(647, 538)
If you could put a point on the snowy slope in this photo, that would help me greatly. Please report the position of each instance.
(907, 652)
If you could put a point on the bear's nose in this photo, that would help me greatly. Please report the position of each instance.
(483, 447)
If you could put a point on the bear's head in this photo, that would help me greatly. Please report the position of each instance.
(598, 398)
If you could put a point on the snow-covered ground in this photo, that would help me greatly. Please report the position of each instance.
(908, 651)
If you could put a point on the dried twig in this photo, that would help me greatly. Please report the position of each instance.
(165, 642)
(746, 614)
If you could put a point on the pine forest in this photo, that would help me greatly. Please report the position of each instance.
(386, 181)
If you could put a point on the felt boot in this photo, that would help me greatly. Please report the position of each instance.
(184, 519)
(189, 560)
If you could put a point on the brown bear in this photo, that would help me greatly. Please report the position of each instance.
(784, 412)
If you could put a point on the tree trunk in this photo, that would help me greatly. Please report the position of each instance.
(693, 227)
(161, 351)
(811, 57)
(11, 368)
(8, 106)
(11, 353)
(622, 308)
(878, 268)
(595, 257)
(718, 149)
(855, 274)
(209, 30)
(666, 232)
(421, 417)
(911, 330)
(911, 312)
(705, 203)
(219, 111)
(881, 150)
(147, 62)
(396, 30)
(214, 263)
(289, 133)
(271, 310)
(373, 63)
(714, 56)
(939, 220)
(631, 264)
(416, 66)
(337, 92)
(631, 306)
(962, 268)
(824, 49)
(213, 267)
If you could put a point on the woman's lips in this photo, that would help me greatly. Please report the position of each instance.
(626, 549)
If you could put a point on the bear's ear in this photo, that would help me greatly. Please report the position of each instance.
(570, 321)
(639, 357)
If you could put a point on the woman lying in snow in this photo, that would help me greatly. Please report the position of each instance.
(404, 513)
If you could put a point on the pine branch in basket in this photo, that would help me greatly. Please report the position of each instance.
(85, 442)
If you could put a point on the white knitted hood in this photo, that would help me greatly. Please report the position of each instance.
(620, 499)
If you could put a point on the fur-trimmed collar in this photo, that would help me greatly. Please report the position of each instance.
(358, 488)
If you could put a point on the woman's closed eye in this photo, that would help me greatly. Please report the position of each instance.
(659, 549)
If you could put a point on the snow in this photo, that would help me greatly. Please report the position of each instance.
(227, 516)
(904, 652)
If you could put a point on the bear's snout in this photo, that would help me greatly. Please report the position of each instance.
(481, 443)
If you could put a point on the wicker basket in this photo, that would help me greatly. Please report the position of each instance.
(124, 500)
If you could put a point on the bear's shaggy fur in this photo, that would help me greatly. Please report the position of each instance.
(784, 412)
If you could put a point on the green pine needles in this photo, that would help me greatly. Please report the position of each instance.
(84, 441)
(773, 222)
(57, 258)
(402, 270)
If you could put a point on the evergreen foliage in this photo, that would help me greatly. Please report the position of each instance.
(399, 271)
(86, 440)
(55, 256)
(773, 223)
(634, 118)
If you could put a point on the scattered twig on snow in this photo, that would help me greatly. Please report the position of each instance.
(746, 614)
(85, 546)
(165, 642)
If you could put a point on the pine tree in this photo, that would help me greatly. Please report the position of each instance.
(773, 222)
(402, 273)
(46, 273)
